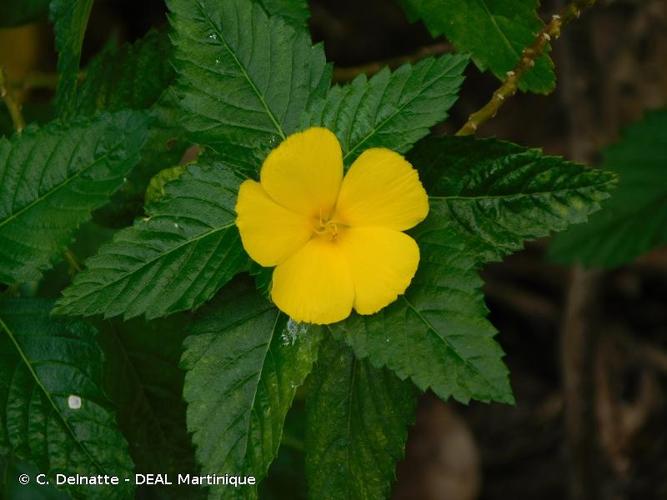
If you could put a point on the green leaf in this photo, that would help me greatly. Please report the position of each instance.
(164, 147)
(146, 385)
(17, 12)
(13, 490)
(634, 221)
(488, 196)
(244, 78)
(244, 362)
(437, 333)
(54, 412)
(34, 112)
(498, 194)
(155, 190)
(135, 76)
(51, 178)
(392, 109)
(495, 32)
(295, 12)
(174, 259)
(356, 426)
(70, 19)
(131, 76)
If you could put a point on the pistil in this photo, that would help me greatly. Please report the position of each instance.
(327, 228)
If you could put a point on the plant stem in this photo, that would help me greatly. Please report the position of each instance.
(12, 104)
(73, 262)
(530, 54)
(578, 347)
(38, 80)
(348, 74)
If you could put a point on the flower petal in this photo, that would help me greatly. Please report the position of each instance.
(269, 233)
(382, 189)
(304, 172)
(382, 263)
(314, 285)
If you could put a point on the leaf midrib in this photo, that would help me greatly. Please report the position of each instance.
(258, 376)
(243, 69)
(353, 376)
(500, 31)
(46, 393)
(54, 189)
(423, 89)
(449, 344)
(521, 195)
(619, 220)
(259, 379)
(149, 262)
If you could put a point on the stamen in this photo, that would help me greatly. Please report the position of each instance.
(326, 229)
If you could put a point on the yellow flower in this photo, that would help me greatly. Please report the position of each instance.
(336, 243)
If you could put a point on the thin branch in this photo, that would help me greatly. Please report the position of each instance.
(12, 104)
(347, 74)
(37, 80)
(578, 347)
(652, 355)
(530, 54)
(40, 80)
(74, 266)
(526, 302)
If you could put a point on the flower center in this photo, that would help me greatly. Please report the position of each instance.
(327, 228)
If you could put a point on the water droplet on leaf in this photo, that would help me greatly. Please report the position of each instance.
(292, 331)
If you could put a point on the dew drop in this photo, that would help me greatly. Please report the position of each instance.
(176, 225)
(124, 179)
(217, 61)
(292, 331)
(74, 402)
(213, 36)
